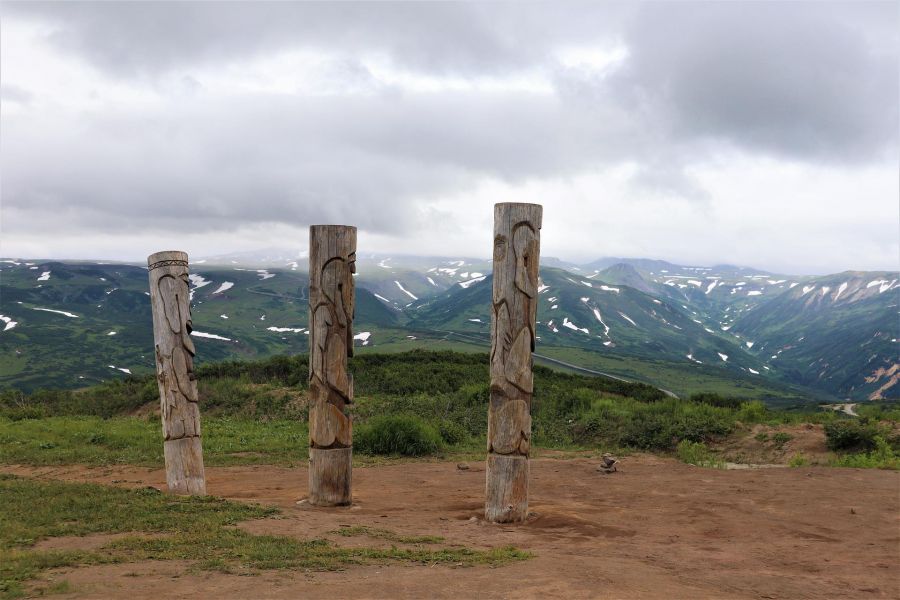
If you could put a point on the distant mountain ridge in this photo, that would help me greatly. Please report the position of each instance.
(834, 334)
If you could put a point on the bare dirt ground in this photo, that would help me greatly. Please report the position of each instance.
(743, 446)
(656, 529)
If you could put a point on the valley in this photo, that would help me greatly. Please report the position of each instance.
(731, 330)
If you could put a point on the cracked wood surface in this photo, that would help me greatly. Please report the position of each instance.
(174, 350)
(514, 305)
(332, 263)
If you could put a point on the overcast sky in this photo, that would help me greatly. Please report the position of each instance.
(758, 133)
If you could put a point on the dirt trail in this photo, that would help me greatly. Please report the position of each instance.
(655, 529)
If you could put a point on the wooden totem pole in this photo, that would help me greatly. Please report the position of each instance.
(516, 255)
(332, 263)
(171, 305)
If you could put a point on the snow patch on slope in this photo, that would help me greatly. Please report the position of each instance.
(465, 284)
(9, 322)
(627, 318)
(210, 336)
(60, 312)
(405, 291)
(572, 326)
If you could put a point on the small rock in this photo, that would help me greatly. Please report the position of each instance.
(852, 512)
(462, 466)
(608, 463)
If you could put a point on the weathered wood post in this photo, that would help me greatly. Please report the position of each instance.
(332, 263)
(171, 305)
(516, 255)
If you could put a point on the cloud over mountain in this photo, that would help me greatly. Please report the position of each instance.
(409, 119)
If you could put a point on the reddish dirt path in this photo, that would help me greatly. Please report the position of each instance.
(656, 529)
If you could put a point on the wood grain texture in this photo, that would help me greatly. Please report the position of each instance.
(516, 279)
(332, 263)
(332, 471)
(506, 489)
(174, 349)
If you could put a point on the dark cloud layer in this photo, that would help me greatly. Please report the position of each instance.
(775, 77)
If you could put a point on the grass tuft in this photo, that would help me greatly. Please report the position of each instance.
(385, 534)
(696, 453)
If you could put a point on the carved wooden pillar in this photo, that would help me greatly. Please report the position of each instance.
(516, 255)
(170, 301)
(332, 262)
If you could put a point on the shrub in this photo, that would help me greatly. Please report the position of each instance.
(574, 402)
(451, 432)
(781, 438)
(857, 434)
(19, 413)
(798, 460)
(762, 436)
(714, 399)
(753, 412)
(881, 457)
(696, 453)
(406, 435)
(651, 426)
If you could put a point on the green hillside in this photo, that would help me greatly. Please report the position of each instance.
(684, 329)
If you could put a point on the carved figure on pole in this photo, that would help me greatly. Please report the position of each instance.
(516, 274)
(174, 349)
(332, 263)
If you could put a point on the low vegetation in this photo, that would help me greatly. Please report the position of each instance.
(417, 403)
(405, 435)
(883, 456)
(697, 454)
(162, 527)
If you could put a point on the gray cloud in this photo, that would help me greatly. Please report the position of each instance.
(267, 158)
(12, 93)
(140, 38)
(786, 78)
(810, 82)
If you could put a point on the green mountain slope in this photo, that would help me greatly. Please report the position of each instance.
(65, 324)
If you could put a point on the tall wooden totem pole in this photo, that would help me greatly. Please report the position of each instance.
(170, 299)
(332, 263)
(516, 256)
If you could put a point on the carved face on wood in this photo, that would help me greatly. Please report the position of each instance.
(175, 352)
(516, 256)
(331, 343)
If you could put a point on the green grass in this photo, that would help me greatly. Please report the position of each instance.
(798, 460)
(390, 536)
(696, 453)
(185, 528)
(683, 380)
(404, 435)
(419, 403)
(781, 438)
(883, 456)
(138, 441)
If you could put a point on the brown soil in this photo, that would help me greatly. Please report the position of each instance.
(655, 529)
(807, 439)
(93, 541)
